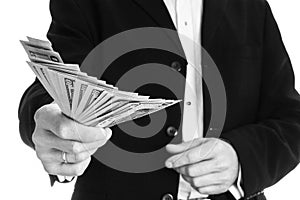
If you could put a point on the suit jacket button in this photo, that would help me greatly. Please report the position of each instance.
(176, 65)
(172, 132)
(167, 197)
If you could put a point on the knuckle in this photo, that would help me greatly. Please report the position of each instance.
(50, 169)
(78, 171)
(34, 137)
(60, 128)
(76, 148)
(78, 157)
(41, 156)
(190, 171)
(189, 157)
(38, 113)
(64, 129)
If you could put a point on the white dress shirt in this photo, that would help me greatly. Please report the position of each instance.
(186, 16)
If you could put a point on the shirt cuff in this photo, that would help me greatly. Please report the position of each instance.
(236, 189)
(65, 179)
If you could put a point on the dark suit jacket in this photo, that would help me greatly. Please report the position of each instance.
(263, 107)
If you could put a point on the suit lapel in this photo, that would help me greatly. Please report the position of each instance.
(158, 11)
(213, 12)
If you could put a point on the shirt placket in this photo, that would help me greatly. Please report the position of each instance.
(186, 35)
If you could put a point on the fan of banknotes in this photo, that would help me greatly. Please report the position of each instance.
(82, 97)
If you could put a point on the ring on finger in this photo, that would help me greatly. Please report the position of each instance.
(64, 157)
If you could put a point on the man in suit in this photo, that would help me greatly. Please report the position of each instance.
(260, 139)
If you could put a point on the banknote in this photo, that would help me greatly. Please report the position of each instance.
(85, 98)
(36, 54)
(40, 43)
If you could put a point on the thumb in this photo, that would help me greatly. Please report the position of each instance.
(108, 133)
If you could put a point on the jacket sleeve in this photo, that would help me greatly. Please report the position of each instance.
(70, 37)
(270, 148)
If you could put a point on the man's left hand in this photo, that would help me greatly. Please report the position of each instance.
(210, 165)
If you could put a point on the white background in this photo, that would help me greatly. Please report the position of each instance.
(22, 175)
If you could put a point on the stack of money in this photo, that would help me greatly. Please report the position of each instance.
(84, 98)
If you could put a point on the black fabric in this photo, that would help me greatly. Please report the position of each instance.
(263, 107)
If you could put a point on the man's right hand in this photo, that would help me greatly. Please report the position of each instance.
(55, 133)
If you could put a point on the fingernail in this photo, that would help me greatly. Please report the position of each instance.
(169, 165)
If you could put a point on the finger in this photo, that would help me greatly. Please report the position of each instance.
(76, 169)
(48, 139)
(43, 138)
(198, 169)
(182, 147)
(204, 151)
(56, 156)
(213, 189)
(76, 158)
(74, 147)
(207, 180)
(108, 133)
(51, 118)
(70, 130)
